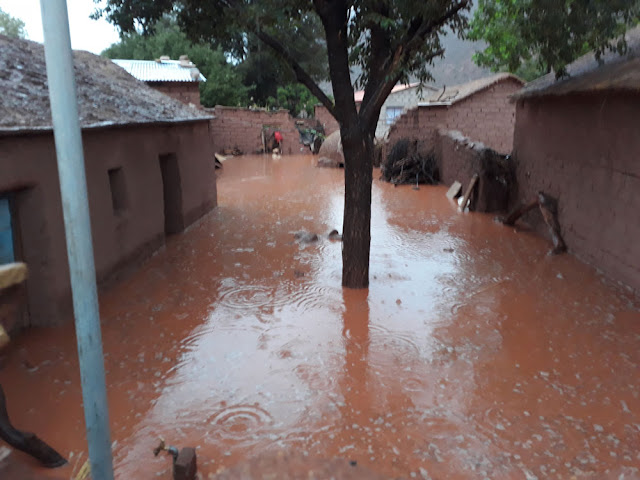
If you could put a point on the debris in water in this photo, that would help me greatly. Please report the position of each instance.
(454, 190)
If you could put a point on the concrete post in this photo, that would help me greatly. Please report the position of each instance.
(73, 188)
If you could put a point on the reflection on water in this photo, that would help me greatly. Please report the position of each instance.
(471, 355)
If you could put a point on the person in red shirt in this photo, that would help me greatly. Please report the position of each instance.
(278, 136)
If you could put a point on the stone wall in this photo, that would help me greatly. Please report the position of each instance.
(488, 116)
(584, 150)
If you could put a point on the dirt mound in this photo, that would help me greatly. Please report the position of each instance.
(330, 154)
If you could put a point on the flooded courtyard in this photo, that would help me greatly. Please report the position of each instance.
(473, 354)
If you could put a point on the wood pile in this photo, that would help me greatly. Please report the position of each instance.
(404, 165)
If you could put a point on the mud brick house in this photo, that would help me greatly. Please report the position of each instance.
(149, 169)
(179, 79)
(578, 139)
(401, 99)
(481, 110)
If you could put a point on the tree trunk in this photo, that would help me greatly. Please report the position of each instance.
(356, 229)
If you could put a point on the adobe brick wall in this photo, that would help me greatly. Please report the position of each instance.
(487, 116)
(186, 92)
(329, 123)
(121, 239)
(235, 127)
(584, 150)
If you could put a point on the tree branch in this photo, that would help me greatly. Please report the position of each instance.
(334, 17)
(371, 108)
(413, 40)
(302, 76)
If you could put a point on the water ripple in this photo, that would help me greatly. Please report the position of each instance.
(240, 420)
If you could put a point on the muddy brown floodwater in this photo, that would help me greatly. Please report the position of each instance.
(471, 355)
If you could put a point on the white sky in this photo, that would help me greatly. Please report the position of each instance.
(86, 34)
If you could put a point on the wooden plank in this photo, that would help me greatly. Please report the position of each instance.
(4, 337)
(454, 190)
(13, 274)
(467, 194)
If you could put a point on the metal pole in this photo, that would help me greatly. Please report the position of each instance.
(75, 206)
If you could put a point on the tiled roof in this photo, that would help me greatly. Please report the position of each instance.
(588, 75)
(107, 95)
(456, 93)
(359, 95)
(161, 70)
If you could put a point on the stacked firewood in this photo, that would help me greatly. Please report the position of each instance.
(404, 165)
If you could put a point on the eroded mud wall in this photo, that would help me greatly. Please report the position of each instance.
(460, 158)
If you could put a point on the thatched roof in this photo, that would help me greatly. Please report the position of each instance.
(454, 94)
(586, 74)
(107, 95)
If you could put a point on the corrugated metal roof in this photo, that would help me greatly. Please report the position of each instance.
(161, 70)
(450, 95)
(586, 74)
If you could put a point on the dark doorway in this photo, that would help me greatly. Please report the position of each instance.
(118, 191)
(7, 254)
(172, 193)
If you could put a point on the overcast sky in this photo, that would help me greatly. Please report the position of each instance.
(86, 34)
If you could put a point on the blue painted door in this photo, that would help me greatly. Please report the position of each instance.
(6, 235)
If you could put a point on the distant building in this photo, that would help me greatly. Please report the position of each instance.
(149, 165)
(179, 79)
(578, 140)
(401, 99)
(481, 110)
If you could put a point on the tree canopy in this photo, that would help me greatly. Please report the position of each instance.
(389, 40)
(533, 37)
(224, 84)
(11, 26)
(296, 98)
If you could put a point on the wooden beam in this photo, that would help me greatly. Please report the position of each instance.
(469, 191)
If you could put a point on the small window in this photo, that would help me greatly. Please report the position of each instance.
(118, 190)
(393, 113)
